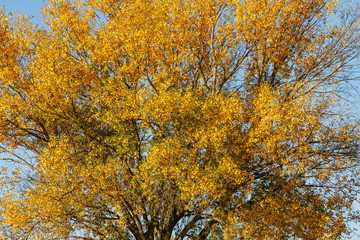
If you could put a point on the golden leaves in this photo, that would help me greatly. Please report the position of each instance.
(145, 114)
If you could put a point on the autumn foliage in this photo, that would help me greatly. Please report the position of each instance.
(178, 119)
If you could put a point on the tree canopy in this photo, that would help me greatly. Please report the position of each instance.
(178, 119)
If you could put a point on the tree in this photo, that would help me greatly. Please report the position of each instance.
(192, 119)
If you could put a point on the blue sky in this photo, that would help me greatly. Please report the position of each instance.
(30, 7)
(33, 8)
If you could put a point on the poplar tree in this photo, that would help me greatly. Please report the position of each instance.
(178, 119)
